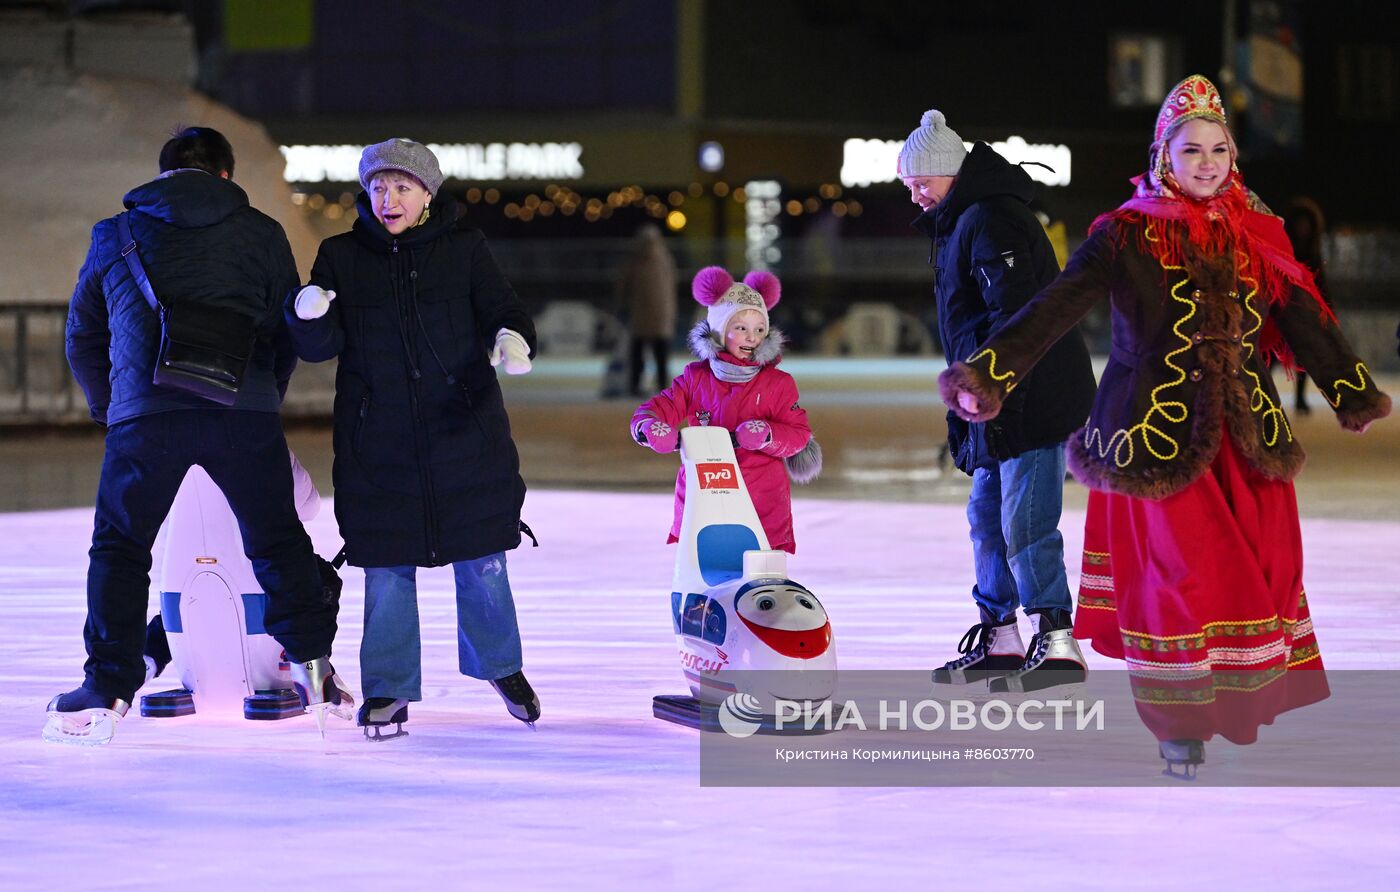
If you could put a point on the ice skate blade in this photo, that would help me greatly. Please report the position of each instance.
(1035, 681)
(974, 692)
(87, 727)
(318, 712)
(1182, 758)
(342, 710)
(949, 679)
(1187, 772)
(689, 712)
(1073, 692)
(378, 737)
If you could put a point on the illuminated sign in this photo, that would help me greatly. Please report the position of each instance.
(866, 161)
(460, 161)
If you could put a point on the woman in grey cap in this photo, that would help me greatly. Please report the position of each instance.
(425, 472)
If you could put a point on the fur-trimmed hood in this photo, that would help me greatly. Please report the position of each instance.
(707, 344)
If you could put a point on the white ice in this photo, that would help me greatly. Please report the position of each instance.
(604, 796)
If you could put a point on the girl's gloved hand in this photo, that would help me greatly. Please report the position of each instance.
(753, 434)
(658, 436)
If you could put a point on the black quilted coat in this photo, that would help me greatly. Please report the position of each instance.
(425, 470)
(198, 240)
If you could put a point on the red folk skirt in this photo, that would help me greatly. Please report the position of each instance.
(1201, 593)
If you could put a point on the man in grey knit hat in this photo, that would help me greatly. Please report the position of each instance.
(990, 256)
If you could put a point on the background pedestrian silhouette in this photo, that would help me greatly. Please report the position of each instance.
(646, 288)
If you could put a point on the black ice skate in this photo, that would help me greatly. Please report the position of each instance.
(381, 712)
(989, 650)
(1053, 659)
(1182, 757)
(519, 697)
(83, 717)
(321, 691)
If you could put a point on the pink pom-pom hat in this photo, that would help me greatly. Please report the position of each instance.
(713, 287)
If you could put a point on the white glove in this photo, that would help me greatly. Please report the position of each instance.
(313, 301)
(513, 351)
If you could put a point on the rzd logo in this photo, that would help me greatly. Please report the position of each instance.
(717, 475)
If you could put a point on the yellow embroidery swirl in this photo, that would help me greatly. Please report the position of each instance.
(1337, 385)
(992, 368)
(1171, 411)
(1272, 421)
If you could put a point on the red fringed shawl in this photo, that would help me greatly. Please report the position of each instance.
(1231, 222)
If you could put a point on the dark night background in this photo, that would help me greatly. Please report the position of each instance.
(1312, 90)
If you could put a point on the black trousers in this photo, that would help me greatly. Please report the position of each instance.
(245, 453)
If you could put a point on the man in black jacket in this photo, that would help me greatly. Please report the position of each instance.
(199, 241)
(990, 255)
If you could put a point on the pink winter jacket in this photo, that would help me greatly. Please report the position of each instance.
(698, 397)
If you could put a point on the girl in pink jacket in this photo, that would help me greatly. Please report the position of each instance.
(736, 385)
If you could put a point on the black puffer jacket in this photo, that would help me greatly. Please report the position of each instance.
(991, 255)
(425, 470)
(198, 240)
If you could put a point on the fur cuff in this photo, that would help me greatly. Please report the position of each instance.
(963, 378)
(805, 466)
(1371, 408)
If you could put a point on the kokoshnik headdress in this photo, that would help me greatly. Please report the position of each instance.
(1194, 97)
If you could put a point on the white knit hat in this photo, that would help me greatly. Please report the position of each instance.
(933, 150)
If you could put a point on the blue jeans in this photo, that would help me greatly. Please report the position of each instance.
(1018, 553)
(488, 639)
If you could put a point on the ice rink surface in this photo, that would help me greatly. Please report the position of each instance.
(603, 796)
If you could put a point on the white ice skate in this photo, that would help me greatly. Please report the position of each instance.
(83, 727)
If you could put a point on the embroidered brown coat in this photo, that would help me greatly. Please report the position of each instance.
(1185, 364)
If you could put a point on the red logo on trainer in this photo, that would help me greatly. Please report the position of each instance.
(717, 475)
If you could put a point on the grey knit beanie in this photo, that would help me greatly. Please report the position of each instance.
(933, 150)
(401, 154)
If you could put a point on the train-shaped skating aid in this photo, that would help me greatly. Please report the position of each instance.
(742, 626)
(212, 608)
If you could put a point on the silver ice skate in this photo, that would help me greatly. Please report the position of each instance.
(322, 691)
(1053, 660)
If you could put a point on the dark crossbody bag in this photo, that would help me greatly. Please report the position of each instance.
(204, 350)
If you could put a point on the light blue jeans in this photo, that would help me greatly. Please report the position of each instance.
(488, 638)
(1017, 551)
